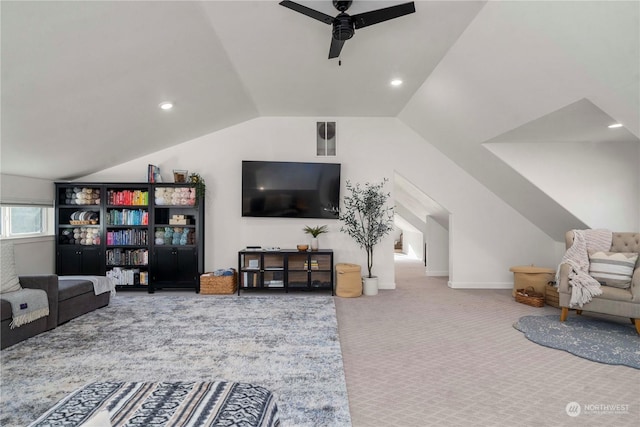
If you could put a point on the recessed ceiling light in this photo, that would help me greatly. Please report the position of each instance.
(615, 125)
(396, 82)
(166, 105)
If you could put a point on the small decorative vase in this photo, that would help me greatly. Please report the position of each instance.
(314, 244)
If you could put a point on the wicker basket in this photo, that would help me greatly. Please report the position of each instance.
(551, 296)
(218, 285)
(530, 275)
(530, 297)
(83, 222)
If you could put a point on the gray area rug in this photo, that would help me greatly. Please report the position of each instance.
(587, 337)
(287, 344)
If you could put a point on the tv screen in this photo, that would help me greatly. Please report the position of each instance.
(290, 189)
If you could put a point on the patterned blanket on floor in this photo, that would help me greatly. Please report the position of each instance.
(166, 404)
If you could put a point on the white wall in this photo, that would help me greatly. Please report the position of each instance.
(588, 172)
(35, 256)
(485, 87)
(413, 232)
(488, 235)
(413, 243)
(437, 248)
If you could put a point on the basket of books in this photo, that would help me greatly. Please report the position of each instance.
(219, 282)
(530, 297)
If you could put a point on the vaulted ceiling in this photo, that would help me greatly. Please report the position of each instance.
(82, 81)
(82, 76)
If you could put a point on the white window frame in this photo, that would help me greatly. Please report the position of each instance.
(47, 222)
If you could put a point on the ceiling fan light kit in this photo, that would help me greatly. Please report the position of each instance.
(344, 25)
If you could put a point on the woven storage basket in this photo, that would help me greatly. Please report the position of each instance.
(83, 222)
(530, 297)
(551, 296)
(218, 285)
(530, 275)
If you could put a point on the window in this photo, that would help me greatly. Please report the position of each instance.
(24, 221)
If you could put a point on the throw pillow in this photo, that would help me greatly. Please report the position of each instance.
(8, 278)
(612, 268)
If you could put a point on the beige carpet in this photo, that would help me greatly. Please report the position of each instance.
(428, 355)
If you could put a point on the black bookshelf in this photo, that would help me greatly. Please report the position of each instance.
(145, 236)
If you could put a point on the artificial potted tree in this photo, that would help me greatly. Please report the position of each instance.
(315, 232)
(367, 219)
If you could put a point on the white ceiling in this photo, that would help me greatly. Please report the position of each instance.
(81, 76)
(82, 80)
(283, 59)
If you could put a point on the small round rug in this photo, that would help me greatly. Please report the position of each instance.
(587, 337)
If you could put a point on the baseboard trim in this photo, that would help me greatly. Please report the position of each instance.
(437, 273)
(480, 285)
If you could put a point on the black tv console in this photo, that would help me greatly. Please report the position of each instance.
(285, 270)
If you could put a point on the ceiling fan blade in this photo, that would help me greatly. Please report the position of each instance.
(376, 16)
(336, 47)
(308, 11)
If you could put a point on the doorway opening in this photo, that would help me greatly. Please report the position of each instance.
(421, 232)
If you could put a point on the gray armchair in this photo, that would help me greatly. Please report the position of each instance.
(614, 301)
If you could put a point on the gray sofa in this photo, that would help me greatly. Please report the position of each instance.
(76, 297)
(68, 299)
(49, 284)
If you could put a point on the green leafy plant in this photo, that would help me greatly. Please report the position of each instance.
(315, 231)
(366, 216)
(200, 185)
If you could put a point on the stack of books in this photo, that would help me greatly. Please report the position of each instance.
(314, 264)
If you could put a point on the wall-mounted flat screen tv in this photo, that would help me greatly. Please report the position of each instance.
(290, 189)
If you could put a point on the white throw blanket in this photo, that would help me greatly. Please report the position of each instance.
(101, 284)
(583, 286)
(27, 305)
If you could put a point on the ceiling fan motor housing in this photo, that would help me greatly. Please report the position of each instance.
(343, 27)
(342, 5)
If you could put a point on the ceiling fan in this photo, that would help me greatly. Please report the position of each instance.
(344, 26)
